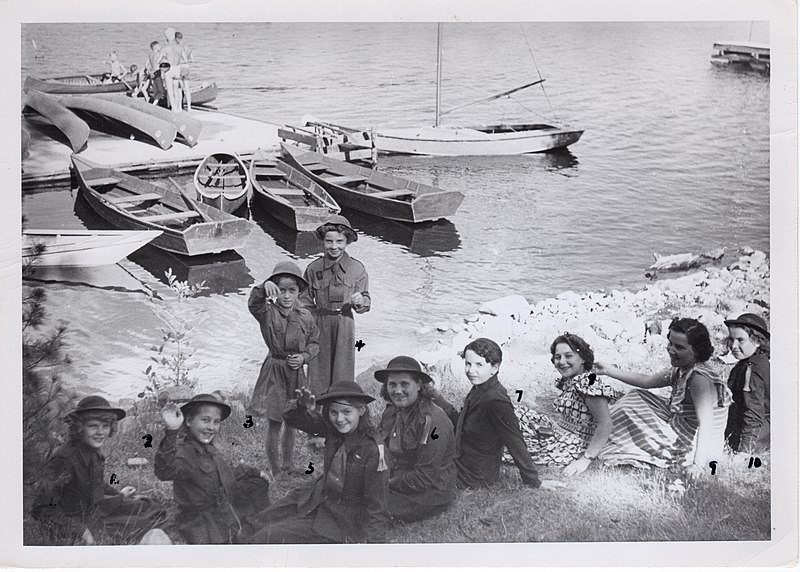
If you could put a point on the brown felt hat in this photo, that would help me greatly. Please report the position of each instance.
(97, 403)
(751, 321)
(345, 389)
(205, 399)
(289, 268)
(403, 364)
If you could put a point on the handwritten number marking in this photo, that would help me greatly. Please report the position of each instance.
(249, 423)
(310, 468)
(519, 394)
(148, 440)
(433, 434)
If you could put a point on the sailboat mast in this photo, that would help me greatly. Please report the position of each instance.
(438, 72)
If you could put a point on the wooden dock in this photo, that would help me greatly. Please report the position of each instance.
(48, 162)
(750, 54)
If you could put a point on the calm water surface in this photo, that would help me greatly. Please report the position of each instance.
(675, 158)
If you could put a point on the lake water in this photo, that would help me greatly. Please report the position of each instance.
(675, 158)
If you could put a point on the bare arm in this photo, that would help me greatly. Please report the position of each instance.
(703, 397)
(643, 380)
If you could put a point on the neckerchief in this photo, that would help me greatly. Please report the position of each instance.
(334, 478)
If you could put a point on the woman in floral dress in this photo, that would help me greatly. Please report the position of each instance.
(583, 425)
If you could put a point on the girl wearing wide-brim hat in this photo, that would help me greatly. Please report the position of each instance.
(74, 499)
(338, 287)
(292, 337)
(212, 495)
(347, 501)
(748, 427)
(419, 440)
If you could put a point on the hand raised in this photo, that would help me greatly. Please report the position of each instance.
(271, 289)
(172, 416)
(305, 398)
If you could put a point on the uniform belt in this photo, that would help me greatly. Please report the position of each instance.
(327, 312)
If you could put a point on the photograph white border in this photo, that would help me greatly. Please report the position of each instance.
(782, 550)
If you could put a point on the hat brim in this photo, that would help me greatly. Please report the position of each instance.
(120, 413)
(381, 374)
(189, 405)
(749, 325)
(296, 276)
(345, 395)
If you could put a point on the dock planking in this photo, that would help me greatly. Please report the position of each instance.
(49, 160)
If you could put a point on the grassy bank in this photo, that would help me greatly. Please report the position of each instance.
(602, 504)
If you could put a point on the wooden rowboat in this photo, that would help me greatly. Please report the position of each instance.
(82, 247)
(373, 192)
(288, 195)
(222, 181)
(188, 127)
(73, 127)
(162, 132)
(80, 84)
(130, 203)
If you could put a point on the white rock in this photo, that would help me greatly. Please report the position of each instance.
(424, 330)
(443, 326)
(514, 306)
(569, 296)
(608, 328)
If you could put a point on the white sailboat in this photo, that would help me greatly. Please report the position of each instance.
(498, 139)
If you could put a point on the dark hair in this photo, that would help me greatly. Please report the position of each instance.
(154, 43)
(77, 421)
(756, 337)
(487, 349)
(697, 336)
(348, 232)
(426, 390)
(178, 36)
(164, 65)
(366, 425)
(191, 410)
(134, 67)
(578, 345)
(300, 284)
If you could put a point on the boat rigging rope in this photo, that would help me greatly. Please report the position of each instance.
(544, 91)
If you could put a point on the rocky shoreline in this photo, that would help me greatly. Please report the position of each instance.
(625, 328)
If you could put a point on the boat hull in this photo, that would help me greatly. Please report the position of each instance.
(79, 84)
(205, 94)
(162, 132)
(219, 231)
(83, 248)
(484, 140)
(410, 201)
(222, 181)
(304, 212)
(188, 127)
(73, 127)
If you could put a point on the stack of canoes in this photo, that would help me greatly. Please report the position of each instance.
(373, 192)
(222, 181)
(288, 195)
(130, 203)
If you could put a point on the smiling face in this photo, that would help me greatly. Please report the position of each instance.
(289, 292)
(476, 367)
(567, 361)
(680, 352)
(403, 388)
(334, 243)
(344, 416)
(95, 432)
(204, 423)
(741, 344)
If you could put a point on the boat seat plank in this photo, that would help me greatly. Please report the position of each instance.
(344, 179)
(210, 165)
(268, 172)
(288, 192)
(102, 181)
(392, 194)
(170, 216)
(232, 177)
(136, 198)
(316, 167)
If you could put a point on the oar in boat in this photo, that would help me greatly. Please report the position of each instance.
(190, 201)
(93, 80)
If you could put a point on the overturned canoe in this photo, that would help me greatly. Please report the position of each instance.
(162, 132)
(71, 248)
(73, 127)
(222, 181)
(288, 195)
(130, 203)
(188, 127)
(373, 192)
